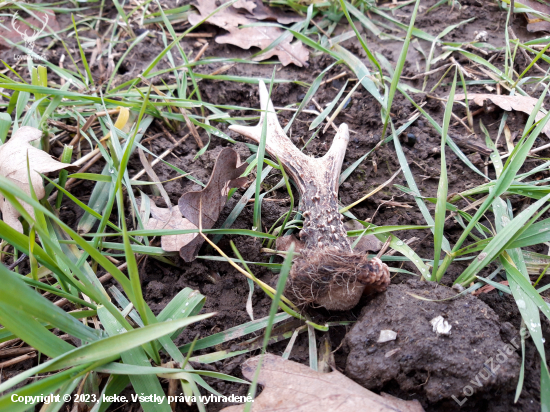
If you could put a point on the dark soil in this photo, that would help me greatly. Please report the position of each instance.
(435, 369)
(483, 327)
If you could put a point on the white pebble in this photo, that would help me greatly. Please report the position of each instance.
(386, 336)
(441, 326)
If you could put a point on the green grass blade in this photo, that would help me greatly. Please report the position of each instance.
(443, 186)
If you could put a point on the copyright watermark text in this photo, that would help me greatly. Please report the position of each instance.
(158, 399)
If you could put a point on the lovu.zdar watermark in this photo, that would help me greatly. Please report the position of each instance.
(490, 367)
(29, 36)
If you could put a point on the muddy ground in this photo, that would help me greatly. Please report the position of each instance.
(226, 289)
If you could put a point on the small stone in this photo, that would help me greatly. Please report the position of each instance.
(441, 326)
(392, 352)
(386, 336)
(481, 36)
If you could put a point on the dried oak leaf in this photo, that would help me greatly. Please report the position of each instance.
(290, 386)
(163, 218)
(260, 11)
(16, 30)
(534, 22)
(523, 104)
(203, 208)
(245, 4)
(488, 288)
(259, 36)
(13, 165)
(367, 242)
(283, 243)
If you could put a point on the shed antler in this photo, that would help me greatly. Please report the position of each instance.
(328, 273)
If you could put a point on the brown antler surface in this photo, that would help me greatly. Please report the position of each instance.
(328, 273)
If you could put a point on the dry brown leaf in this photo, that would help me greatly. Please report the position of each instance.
(13, 165)
(488, 288)
(367, 242)
(523, 104)
(261, 36)
(162, 218)
(245, 4)
(283, 243)
(534, 22)
(290, 386)
(16, 30)
(260, 11)
(203, 208)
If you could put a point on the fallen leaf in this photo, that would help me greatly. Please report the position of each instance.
(367, 243)
(283, 244)
(523, 104)
(471, 145)
(258, 36)
(260, 11)
(534, 22)
(290, 386)
(13, 165)
(163, 218)
(245, 4)
(17, 29)
(203, 208)
(488, 288)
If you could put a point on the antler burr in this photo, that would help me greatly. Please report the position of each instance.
(328, 272)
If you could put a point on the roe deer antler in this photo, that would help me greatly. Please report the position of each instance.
(328, 273)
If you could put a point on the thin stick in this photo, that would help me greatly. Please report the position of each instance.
(338, 76)
(102, 280)
(15, 361)
(83, 169)
(8, 353)
(162, 156)
(244, 272)
(201, 52)
(407, 242)
(318, 106)
(86, 158)
(387, 182)
(459, 120)
(384, 248)
(522, 50)
(222, 69)
(194, 35)
(167, 133)
(9, 343)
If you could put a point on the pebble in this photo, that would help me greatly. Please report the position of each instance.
(386, 336)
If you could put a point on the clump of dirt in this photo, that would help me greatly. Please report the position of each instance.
(476, 360)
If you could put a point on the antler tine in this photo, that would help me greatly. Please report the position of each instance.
(274, 129)
(47, 18)
(277, 142)
(269, 110)
(13, 20)
(335, 156)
